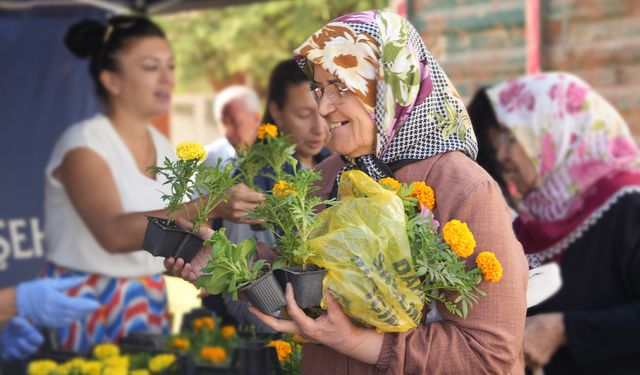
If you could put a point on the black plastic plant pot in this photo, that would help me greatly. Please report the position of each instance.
(255, 361)
(265, 294)
(162, 239)
(307, 285)
(189, 247)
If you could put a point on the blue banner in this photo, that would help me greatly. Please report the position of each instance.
(43, 90)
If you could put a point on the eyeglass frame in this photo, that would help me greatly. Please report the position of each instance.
(314, 86)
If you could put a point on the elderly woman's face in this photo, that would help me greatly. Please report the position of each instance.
(516, 165)
(353, 132)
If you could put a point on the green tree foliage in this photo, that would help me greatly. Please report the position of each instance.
(216, 46)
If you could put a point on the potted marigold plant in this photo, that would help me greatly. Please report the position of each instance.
(267, 157)
(438, 255)
(231, 269)
(188, 178)
(290, 213)
(163, 237)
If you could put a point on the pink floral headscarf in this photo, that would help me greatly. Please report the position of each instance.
(574, 138)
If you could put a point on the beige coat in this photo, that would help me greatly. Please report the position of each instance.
(489, 340)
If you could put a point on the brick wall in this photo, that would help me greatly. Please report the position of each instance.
(479, 42)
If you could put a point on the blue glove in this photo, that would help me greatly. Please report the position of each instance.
(44, 303)
(19, 339)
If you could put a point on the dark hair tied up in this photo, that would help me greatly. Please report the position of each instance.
(101, 42)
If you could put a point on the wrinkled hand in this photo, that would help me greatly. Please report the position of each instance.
(334, 329)
(190, 271)
(19, 339)
(44, 302)
(544, 334)
(242, 199)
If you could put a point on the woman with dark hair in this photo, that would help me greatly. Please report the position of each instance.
(99, 187)
(576, 167)
(291, 107)
(392, 112)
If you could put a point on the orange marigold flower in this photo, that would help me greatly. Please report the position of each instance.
(267, 130)
(283, 349)
(459, 237)
(424, 194)
(490, 266)
(215, 354)
(390, 184)
(281, 188)
(180, 344)
(228, 331)
(207, 322)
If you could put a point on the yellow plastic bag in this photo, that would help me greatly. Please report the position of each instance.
(363, 243)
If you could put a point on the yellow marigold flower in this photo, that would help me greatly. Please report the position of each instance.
(424, 194)
(92, 368)
(117, 362)
(281, 188)
(70, 367)
(180, 344)
(283, 349)
(191, 151)
(459, 237)
(103, 351)
(228, 331)
(115, 371)
(161, 362)
(139, 372)
(215, 354)
(390, 184)
(267, 130)
(42, 367)
(490, 266)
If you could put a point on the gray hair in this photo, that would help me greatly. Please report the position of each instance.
(231, 93)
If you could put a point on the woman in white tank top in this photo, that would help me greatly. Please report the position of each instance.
(99, 189)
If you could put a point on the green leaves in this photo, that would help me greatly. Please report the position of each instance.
(290, 213)
(178, 175)
(211, 184)
(442, 272)
(272, 152)
(231, 266)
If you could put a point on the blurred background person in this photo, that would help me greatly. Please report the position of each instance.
(574, 163)
(292, 108)
(237, 113)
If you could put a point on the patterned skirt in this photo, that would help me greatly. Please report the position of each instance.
(128, 305)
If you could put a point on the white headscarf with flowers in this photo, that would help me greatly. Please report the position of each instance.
(573, 136)
(382, 59)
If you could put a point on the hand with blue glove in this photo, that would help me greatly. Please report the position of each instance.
(19, 339)
(44, 302)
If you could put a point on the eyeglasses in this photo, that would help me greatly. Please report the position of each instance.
(335, 91)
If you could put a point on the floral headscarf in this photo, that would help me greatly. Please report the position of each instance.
(578, 143)
(381, 58)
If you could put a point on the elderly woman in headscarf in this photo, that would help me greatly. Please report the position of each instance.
(393, 112)
(575, 167)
